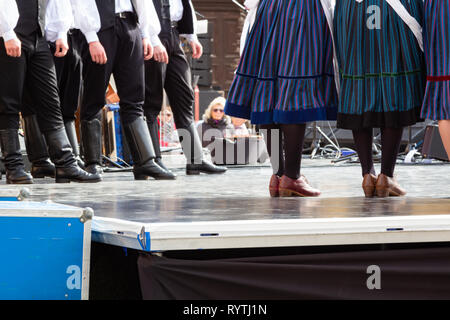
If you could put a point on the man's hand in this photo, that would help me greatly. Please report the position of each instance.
(61, 48)
(160, 54)
(13, 48)
(148, 49)
(197, 49)
(97, 52)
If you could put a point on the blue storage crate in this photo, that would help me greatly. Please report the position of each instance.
(14, 194)
(45, 250)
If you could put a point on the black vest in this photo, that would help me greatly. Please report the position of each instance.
(162, 8)
(185, 25)
(31, 17)
(107, 12)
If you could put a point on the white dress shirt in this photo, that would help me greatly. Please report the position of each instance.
(148, 20)
(9, 16)
(86, 18)
(58, 20)
(57, 12)
(123, 6)
(176, 10)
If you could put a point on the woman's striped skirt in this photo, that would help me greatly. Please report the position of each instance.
(382, 68)
(286, 72)
(436, 105)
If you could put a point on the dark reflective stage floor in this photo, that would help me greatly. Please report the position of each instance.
(242, 193)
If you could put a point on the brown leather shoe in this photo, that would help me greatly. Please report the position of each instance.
(388, 187)
(368, 185)
(296, 188)
(274, 186)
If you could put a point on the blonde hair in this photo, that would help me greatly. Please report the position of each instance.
(217, 101)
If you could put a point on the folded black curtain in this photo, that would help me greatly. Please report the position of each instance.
(398, 274)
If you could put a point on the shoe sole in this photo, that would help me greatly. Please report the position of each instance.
(146, 177)
(385, 192)
(197, 172)
(290, 193)
(42, 176)
(19, 182)
(63, 180)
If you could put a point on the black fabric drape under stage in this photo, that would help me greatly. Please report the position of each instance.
(385, 274)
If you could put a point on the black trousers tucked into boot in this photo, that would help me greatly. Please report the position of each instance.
(12, 158)
(60, 151)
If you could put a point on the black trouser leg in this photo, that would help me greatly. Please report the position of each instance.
(178, 85)
(12, 82)
(363, 141)
(390, 145)
(273, 137)
(68, 72)
(155, 73)
(96, 79)
(293, 135)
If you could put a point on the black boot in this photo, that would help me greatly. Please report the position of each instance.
(193, 150)
(141, 148)
(41, 166)
(12, 158)
(72, 135)
(153, 129)
(91, 136)
(60, 151)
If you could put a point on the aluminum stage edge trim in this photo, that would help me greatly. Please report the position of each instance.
(155, 237)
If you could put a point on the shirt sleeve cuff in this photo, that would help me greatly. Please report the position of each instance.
(91, 36)
(62, 35)
(155, 41)
(190, 37)
(9, 35)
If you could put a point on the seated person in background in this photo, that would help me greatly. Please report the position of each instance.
(215, 123)
(240, 127)
(168, 136)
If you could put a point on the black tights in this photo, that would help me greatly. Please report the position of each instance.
(285, 146)
(390, 145)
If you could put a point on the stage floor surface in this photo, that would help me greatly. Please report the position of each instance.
(200, 211)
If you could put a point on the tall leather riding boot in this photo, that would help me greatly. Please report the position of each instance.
(12, 158)
(91, 138)
(61, 154)
(193, 150)
(141, 148)
(41, 166)
(72, 135)
(153, 129)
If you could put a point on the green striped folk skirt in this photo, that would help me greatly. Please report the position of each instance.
(382, 68)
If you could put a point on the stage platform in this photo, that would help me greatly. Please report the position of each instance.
(234, 210)
(223, 237)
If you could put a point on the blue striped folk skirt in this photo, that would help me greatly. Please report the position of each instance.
(382, 68)
(436, 104)
(286, 73)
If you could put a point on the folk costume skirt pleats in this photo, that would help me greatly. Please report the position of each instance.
(286, 72)
(436, 104)
(382, 68)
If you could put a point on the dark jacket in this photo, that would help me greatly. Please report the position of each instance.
(210, 129)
